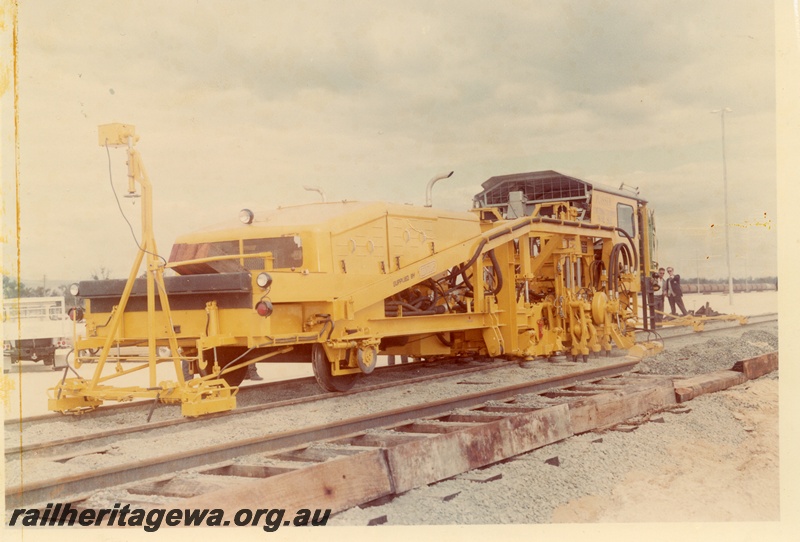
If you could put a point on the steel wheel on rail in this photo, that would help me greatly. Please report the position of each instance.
(322, 372)
(367, 359)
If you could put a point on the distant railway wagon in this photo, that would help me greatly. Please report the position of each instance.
(542, 263)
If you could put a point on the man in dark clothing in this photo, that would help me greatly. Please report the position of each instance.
(659, 291)
(674, 293)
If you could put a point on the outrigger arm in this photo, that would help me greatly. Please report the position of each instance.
(197, 396)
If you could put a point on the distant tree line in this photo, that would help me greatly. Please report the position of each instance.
(13, 288)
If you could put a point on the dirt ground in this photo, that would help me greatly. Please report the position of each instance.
(708, 480)
(718, 462)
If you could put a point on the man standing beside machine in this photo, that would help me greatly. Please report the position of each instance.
(659, 290)
(674, 293)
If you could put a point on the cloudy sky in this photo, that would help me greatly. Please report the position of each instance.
(239, 104)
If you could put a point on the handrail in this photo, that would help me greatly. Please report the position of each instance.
(219, 258)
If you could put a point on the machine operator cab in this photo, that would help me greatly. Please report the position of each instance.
(560, 197)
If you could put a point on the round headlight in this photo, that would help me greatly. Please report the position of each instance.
(264, 280)
(73, 289)
(246, 216)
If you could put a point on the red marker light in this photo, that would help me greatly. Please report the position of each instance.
(264, 308)
(76, 314)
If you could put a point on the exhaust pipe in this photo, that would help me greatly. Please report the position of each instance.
(316, 189)
(433, 181)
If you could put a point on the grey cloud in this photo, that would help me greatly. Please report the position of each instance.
(260, 96)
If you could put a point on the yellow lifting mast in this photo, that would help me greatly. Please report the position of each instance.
(197, 396)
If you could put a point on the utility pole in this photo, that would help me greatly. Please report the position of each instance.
(725, 197)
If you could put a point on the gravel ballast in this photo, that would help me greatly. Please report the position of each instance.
(530, 490)
(593, 466)
(723, 451)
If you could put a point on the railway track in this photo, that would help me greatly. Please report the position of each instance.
(302, 390)
(254, 394)
(368, 458)
(92, 478)
(711, 327)
(78, 485)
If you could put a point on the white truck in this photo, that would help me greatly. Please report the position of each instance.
(37, 329)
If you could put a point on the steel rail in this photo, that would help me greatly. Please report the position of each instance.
(99, 438)
(110, 410)
(59, 488)
(244, 392)
(714, 327)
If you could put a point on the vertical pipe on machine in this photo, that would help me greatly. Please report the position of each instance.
(429, 188)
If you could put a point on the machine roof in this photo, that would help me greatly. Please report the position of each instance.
(331, 216)
(541, 185)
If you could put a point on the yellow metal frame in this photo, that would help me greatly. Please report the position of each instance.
(200, 396)
(698, 322)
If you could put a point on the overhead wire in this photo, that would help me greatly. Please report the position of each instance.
(119, 205)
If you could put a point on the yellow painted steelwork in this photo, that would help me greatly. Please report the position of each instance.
(78, 394)
(697, 323)
(543, 264)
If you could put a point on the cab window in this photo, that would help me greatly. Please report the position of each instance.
(625, 220)
(286, 251)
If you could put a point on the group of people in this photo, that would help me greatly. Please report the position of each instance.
(669, 287)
